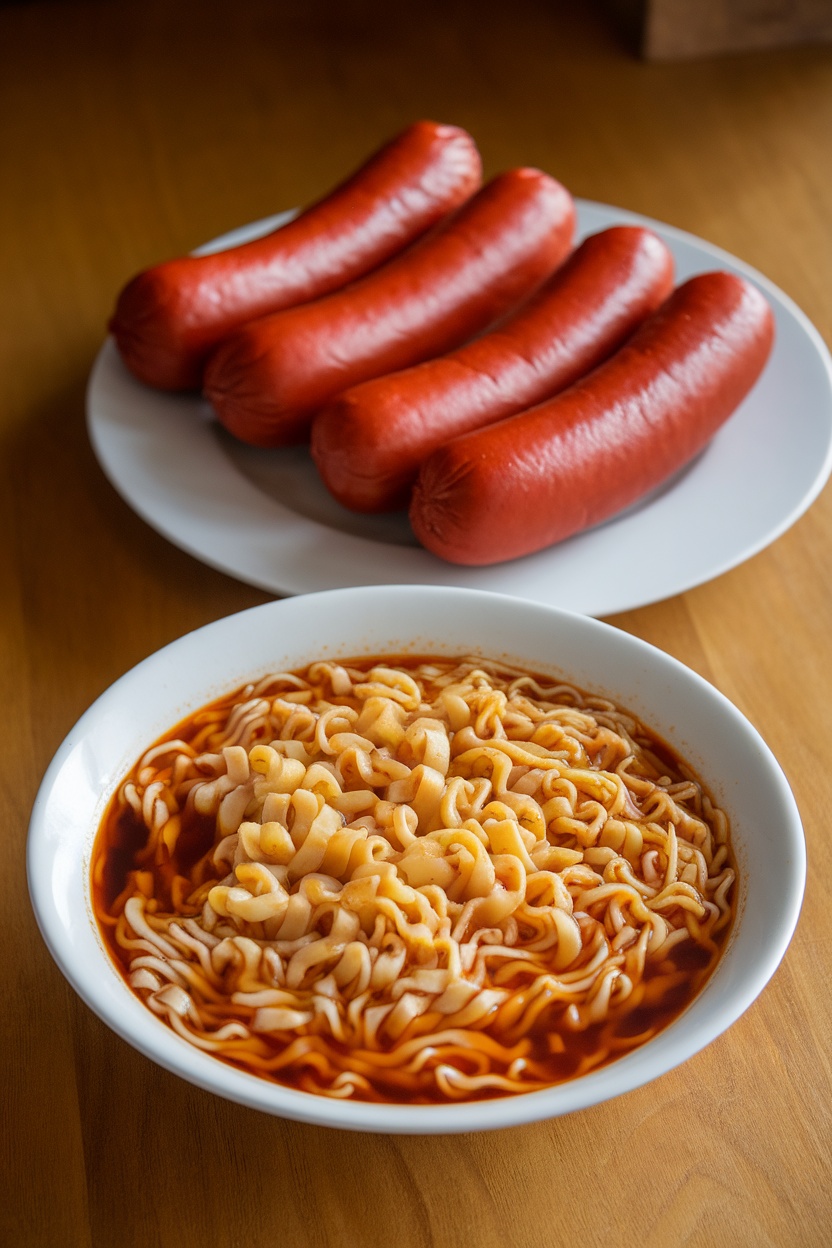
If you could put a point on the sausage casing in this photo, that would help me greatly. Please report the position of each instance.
(268, 379)
(369, 442)
(169, 317)
(536, 478)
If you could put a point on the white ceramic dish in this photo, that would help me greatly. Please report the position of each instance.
(265, 517)
(708, 730)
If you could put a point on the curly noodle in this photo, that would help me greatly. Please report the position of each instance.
(421, 880)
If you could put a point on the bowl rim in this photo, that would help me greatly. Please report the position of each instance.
(103, 989)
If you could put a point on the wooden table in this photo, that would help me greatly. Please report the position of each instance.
(135, 130)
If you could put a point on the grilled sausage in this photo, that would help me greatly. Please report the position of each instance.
(169, 317)
(368, 444)
(268, 379)
(535, 478)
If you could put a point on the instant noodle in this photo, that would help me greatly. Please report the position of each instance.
(413, 879)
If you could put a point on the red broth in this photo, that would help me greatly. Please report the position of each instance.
(420, 991)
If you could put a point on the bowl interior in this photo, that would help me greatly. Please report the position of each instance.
(708, 732)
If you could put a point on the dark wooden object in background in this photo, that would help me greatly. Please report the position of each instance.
(675, 29)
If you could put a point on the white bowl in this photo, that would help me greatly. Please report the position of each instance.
(704, 727)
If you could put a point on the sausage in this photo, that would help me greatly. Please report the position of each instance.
(369, 442)
(268, 379)
(169, 317)
(535, 478)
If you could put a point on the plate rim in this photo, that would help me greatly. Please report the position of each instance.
(517, 577)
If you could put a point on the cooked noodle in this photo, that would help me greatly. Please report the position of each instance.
(429, 881)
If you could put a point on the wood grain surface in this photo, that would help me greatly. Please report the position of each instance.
(134, 130)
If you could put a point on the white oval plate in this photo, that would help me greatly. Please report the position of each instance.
(266, 518)
(709, 732)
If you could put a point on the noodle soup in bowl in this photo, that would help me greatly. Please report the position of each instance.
(415, 859)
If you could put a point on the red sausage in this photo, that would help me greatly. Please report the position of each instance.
(169, 317)
(368, 444)
(268, 379)
(536, 478)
